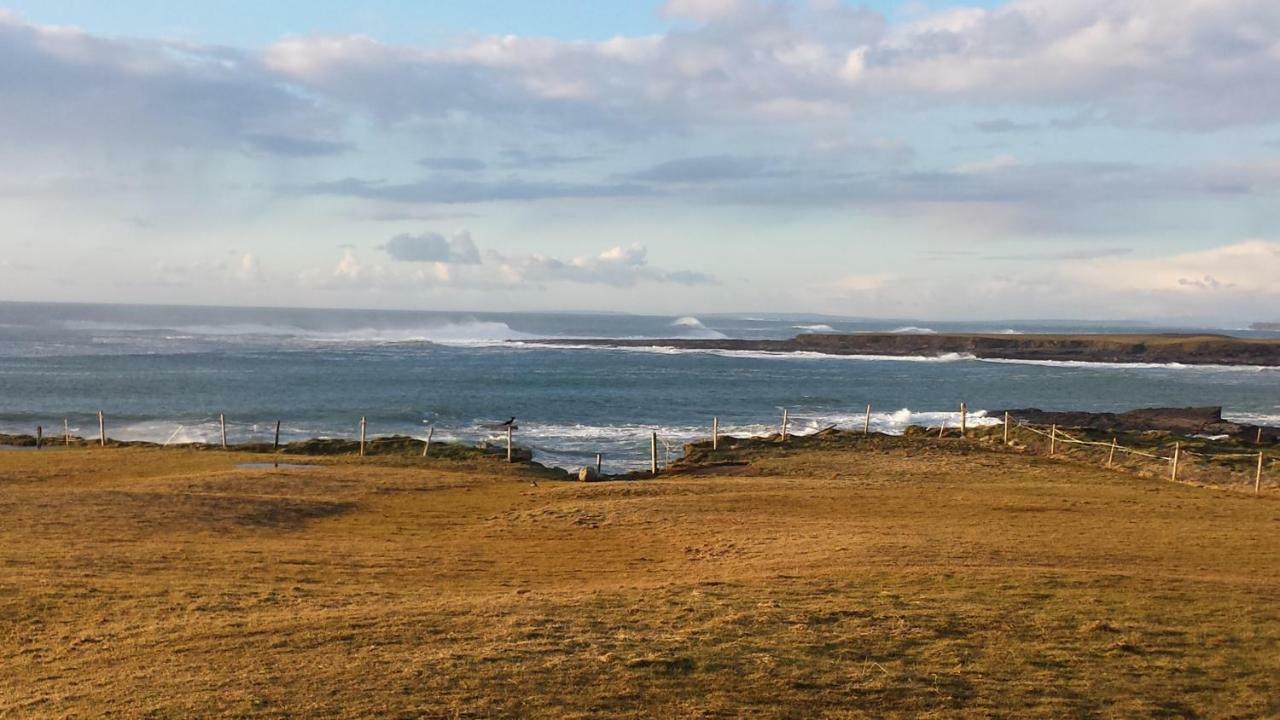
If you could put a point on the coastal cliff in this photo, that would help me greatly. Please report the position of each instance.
(1126, 348)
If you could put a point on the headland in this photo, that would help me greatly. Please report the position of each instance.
(1169, 348)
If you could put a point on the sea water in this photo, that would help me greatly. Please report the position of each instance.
(164, 374)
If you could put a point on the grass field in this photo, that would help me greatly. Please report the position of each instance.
(894, 579)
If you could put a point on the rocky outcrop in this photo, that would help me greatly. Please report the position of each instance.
(1182, 421)
(1166, 348)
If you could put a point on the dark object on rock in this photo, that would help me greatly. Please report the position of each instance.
(502, 425)
(1184, 421)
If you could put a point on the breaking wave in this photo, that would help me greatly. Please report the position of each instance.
(693, 327)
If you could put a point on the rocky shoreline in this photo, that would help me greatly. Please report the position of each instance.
(1154, 348)
(1203, 421)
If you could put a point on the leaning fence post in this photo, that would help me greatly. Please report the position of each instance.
(942, 428)
(964, 419)
(653, 453)
(1053, 439)
(102, 430)
(1177, 447)
(363, 425)
(1257, 478)
(275, 445)
(222, 423)
(1112, 454)
(715, 433)
(866, 422)
(427, 445)
(785, 420)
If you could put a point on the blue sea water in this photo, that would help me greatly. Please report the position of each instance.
(165, 373)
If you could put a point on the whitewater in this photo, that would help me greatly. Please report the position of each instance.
(163, 374)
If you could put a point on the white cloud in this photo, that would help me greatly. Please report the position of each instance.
(621, 266)
(1182, 64)
(64, 87)
(703, 9)
(1244, 269)
(434, 247)
(1190, 64)
(1232, 283)
(249, 270)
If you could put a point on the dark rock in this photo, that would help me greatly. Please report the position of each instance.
(1152, 348)
(1185, 421)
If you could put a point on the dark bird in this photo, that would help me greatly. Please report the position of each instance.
(501, 426)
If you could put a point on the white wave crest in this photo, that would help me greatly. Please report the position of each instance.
(1088, 364)
(754, 354)
(913, 330)
(460, 332)
(693, 327)
(818, 328)
(468, 333)
(687, 321)
(1266, 419)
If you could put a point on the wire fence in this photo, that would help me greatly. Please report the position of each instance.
(1186, 460)
(1183, 463)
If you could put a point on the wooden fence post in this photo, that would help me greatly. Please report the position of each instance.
(1259, 443)
(363, 425)
(66, 432)
(1111, 456)
(599, 463)
(427, 445)
(275, 445)
(510, 454)
(1006, 428)
(1177, 448)
(39, 436)
(102, 430)
(964, 419)
(1257, 478)
(1053, 439)
(222, 423)
(786, 419)
(715, 433)
(942, 429)
(866, 422)
(653, 453)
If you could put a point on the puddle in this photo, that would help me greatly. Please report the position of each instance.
(273, 466)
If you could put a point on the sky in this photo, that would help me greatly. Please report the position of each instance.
(1028, 159)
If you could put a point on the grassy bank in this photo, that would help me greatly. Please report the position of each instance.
(892, 579)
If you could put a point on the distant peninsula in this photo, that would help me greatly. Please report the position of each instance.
(1189, 349)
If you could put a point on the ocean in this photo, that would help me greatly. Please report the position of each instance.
(163, 374)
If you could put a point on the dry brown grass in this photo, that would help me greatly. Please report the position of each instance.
(891, 580)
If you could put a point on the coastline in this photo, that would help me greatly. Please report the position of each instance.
(1184, 349)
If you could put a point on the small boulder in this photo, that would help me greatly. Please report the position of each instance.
(587, 474)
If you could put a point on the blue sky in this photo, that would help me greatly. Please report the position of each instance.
(252, 22)
(1024, 159)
